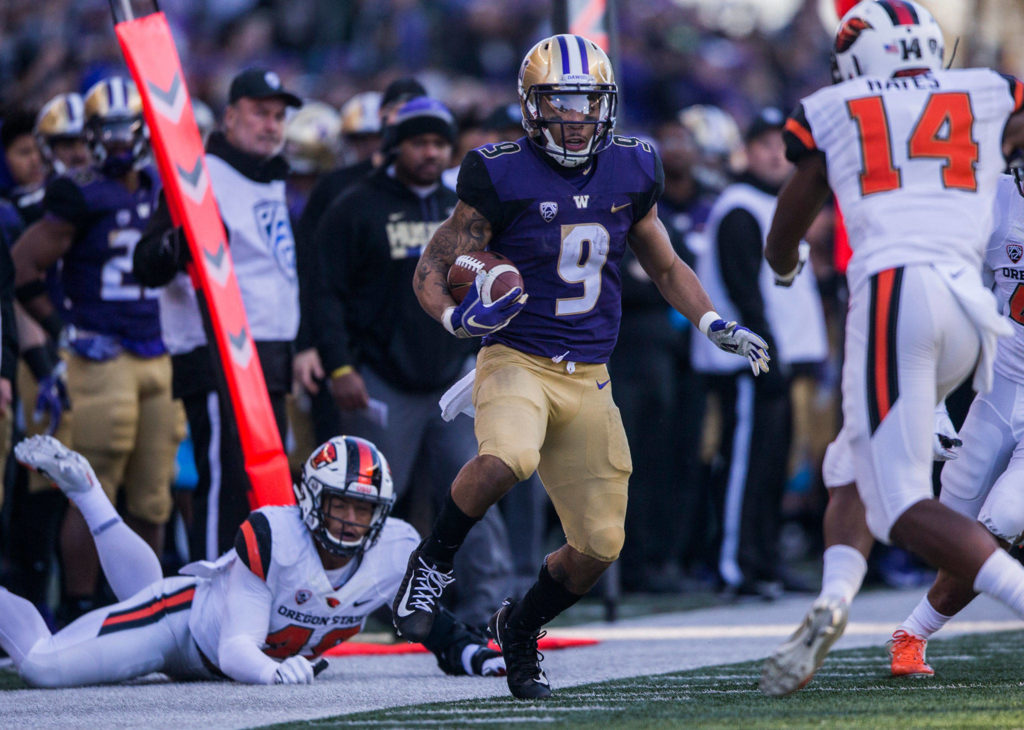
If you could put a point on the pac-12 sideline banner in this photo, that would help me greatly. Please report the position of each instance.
(154, 64)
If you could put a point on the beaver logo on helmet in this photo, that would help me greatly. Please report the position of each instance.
(849, 32)
(327, 455)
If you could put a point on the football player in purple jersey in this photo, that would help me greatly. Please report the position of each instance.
(119, 372)
(562, 203)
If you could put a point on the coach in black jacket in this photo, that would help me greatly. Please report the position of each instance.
(376, 342)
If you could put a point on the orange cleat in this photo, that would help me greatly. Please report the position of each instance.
(906, 652)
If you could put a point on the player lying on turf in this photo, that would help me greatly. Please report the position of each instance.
(300, 580)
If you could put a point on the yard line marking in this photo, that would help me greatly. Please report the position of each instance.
(661, 633)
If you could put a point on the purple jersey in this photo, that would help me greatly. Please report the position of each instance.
(566, 232)
(103, 296)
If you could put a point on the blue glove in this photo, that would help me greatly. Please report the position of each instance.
(733, 338)
(473, 318)
(53, 398)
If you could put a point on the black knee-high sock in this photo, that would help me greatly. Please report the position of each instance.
(546, 599)
(449, 532)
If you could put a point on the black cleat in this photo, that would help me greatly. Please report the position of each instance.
(526, 680)
(419, 596)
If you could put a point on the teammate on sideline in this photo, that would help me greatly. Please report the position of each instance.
(913, 156)
(561, 204)
(119, 379)
(299, 580)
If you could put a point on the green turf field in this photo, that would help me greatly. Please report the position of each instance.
(978, 684)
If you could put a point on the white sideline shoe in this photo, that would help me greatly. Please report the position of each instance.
(794, 663)
(48, 456)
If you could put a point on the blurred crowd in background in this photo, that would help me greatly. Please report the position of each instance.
(693, 76)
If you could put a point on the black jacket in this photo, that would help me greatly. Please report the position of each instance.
(325, 192)
(741, 255)
(10, 228)
(367, 314)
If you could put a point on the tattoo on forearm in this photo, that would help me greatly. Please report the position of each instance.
(465, 231)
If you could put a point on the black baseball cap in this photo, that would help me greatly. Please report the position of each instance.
(768, 119)
(504, 117)
(402, 89)
(259, 83)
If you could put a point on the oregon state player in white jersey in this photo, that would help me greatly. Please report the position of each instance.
(912, 153)
(300, 580)
(985, 483)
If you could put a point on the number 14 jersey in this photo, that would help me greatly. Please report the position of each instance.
(913, 162)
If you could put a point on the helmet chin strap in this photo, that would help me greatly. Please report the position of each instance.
(561, 155)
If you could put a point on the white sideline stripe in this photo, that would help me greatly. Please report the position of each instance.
(658, 633)
(661, 633)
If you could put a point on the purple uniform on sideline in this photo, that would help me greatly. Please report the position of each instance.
(566, 232)
(104, 297)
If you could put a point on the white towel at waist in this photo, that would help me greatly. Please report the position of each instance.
(459, 398)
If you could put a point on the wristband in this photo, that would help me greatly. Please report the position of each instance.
(707, 319)
(787, 278)
(446, 320)
(54, 325)
(30, 290)
(342, 371)
(39, 361)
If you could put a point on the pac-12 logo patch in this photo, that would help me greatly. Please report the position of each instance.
(273, 224)
(301, 596)
(333, 602)
(548, 211)
(1014, 251)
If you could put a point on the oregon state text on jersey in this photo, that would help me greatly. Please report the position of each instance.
(97, 275)
(1005, 258)
(308, 615)
(932, 195)
(566, 232)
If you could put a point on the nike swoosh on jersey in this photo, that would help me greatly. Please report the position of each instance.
(617, 208)
(600, 385)
(360, 603)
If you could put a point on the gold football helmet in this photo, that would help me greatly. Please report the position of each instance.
(311, 138)
(567, 80)
(718, 138)
(361, 126)
(114, 126)
(361, 114)
(62, 119)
